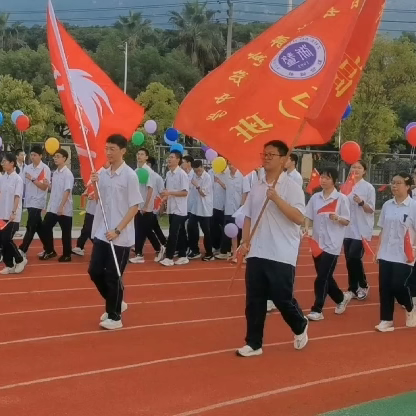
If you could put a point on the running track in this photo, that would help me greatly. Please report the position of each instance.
(175, 354)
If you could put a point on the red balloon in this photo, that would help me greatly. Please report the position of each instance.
(350, 152)
(22, 123)
(411, 136)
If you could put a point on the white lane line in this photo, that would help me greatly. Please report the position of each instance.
(187, 357)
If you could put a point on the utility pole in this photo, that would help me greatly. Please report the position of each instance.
(289, 5)
(230, 13)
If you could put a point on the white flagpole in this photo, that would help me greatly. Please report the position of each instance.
(75, 98)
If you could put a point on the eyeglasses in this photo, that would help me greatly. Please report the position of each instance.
(269, 155)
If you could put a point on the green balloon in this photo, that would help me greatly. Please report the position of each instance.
(143, 175)
(138, 138)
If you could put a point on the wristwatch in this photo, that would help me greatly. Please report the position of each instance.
(117, 231)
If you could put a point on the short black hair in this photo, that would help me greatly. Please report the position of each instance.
(279, 145)
(17, 151)
(197, 164)
(11, 158)
(331, 172)
(62, 152)
(294, 158)
(178, 155)
(117, 139)
(363, 164)
(143, 149)
(188, 159)
(151, 161)
(408, 180)
(37, 149)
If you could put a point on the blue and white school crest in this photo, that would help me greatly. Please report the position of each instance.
(302, 58)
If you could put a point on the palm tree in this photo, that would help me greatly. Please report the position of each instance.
(4, 17)
(198, 35)
(134, 28)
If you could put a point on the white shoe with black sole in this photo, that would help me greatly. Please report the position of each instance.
(247, 351)
(110, 324)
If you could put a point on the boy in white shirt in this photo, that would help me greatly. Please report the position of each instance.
(291, 171)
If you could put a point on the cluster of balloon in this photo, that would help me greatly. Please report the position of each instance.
(138, 137)
(350, 152)
(52, 145)
(171, 138)
(411, 134)
(20, 120)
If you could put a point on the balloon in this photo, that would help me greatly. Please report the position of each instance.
(239, 220)
(210, 155)
(411, 136)
(231, 230)
(22, 123)
(169, 142)
(350, 152)
(204, 148)
(15, 115)
(143, 175)
(52, 145)
(219, 164)
(1, 118)
(409, 126)
(178, 147)
(150, 126)
(348, 112)
(1, 142)
(172, 134)
(138, 138)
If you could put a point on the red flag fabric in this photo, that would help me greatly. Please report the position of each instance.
(330, 208)
(2, 224)
(41, 176)
(157, 203)
(346, 188)
(408, 247)
(104, 108)
(299, 58)
(314, 182)
(382, 188)
(314, 246)
(367, 247)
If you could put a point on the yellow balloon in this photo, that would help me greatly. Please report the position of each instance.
(219, 164)
(52, 145)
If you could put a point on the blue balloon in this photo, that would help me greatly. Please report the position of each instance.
(1, 118)
(16, 114)
(178, 147)
(169, 142)
(348, 112)
(172, 134)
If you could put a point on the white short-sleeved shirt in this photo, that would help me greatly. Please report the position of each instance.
(119, 192)
(327, 233)
(192, 191)
(35, 197)
(177, 181)
(10, 186)
(251, 179)
(203, 205)
(22, 171)
(159, 187)
(296, 176)
(218, 190)
(62, 181)
(395, 219)
(361, 224)
(233, 192)
(145, 186)
(277, 238)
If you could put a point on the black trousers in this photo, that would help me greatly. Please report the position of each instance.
(193, 237)
(325, 283)
(46, 235)
(158, 231)
(33, 226)
(354, 252)
(10, 251)
(267, 279)
(103, 273)
(226, 241)
(393, 284)
(85, 231)
(143, 225)
(177, 236)
(217, 227)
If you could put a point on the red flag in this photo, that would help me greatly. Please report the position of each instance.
(157, 203)
(314, 182)
(367, 247)
(299, 58)
(3, 225)
(104, 108)
(314, 246)
(382, 188)
(346, 188)
(41, 176)
(408, 248)
(330, 208)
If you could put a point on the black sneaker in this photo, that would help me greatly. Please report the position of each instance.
(192, 255)
(47, 256)
(64, 259)
(208, 258)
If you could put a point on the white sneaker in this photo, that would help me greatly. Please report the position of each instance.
(302, 339)
(340, 308)
(110, 324)
(7, 270)
(139, 259)
(222, 256)
(20, 266)
(270, 306)
(247, 351)
(161, 254)
(362, 293)
(315, 316)
(414, 301)
(411, 318)
(22, 253)
(385, 326)
(181, 261)
(167, 262)
(124, 307)
(78, 251)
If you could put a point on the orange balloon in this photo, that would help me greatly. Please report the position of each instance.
(411, 136)
(350, 152)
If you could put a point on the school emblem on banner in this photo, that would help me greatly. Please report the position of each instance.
(302, 58)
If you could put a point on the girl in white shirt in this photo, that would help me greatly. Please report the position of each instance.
(397, 218)
(11, 192)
